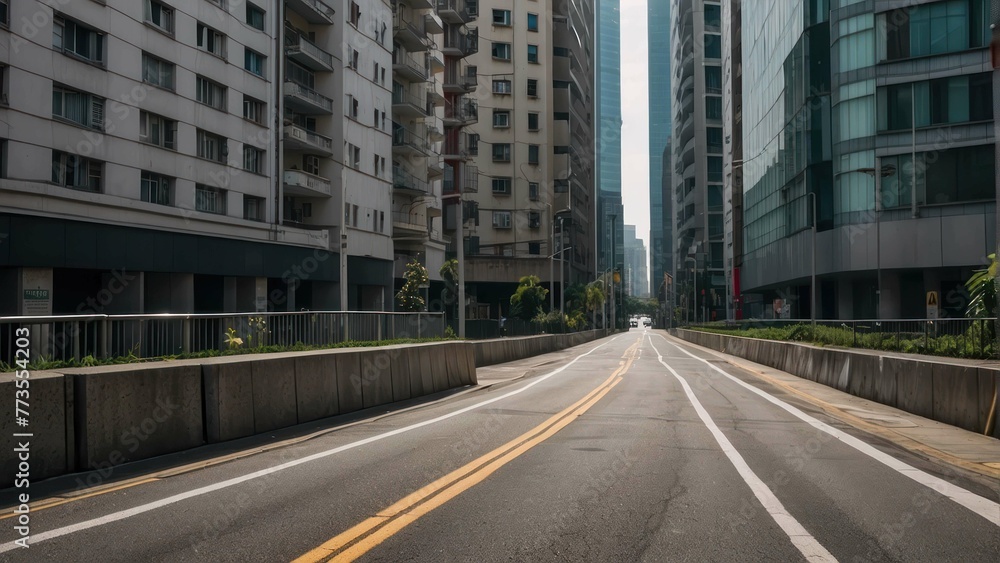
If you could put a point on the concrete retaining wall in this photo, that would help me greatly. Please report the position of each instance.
(503, 350)
(955, 394)
(97, 418)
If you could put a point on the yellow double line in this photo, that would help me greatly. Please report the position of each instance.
(366, 535)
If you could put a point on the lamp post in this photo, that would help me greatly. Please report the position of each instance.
(614, 317)
(812, 282)
(693, 310)
(882, 172)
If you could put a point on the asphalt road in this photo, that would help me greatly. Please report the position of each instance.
(625, 449)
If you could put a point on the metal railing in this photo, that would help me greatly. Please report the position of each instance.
(953, 337)
(79, 338)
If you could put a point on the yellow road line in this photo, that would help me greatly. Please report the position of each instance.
(353, 543)
(56, 501)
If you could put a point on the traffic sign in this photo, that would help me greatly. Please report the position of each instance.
(932, 305)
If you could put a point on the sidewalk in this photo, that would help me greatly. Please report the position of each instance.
(928, 438)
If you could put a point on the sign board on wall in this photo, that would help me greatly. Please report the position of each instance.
(932, 305)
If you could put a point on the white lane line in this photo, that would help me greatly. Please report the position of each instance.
(810, 548)
(122, 515)
(984, 507)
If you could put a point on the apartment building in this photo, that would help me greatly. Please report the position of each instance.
(532, 155)
(891, 133)
(661, 193)
(696, 50)
(419, 80)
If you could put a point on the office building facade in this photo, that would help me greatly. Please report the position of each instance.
(610, 218)
(891, 133)
(732, 162)
(636, 276)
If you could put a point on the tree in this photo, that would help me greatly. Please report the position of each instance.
(983, 291)
(594, 298)
(527, 301)
(449, 295)
(409, 297)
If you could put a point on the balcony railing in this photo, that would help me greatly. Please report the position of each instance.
(314, 11)
(417, 104)
(464, 110)
(410, 68)
(454, 11)
(303, 139)
(298, 182)
(401, 179)
(305, 52)
(307, 97)
(459, 44)
(413, 34)
(403, 137)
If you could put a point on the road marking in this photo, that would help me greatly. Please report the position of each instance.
(984, 507)
(363, 537)
(810, 548)
(123, 514)
(56, 501)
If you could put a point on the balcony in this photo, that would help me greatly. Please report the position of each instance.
(408, 183)
(313, 11)
(406, 103)
(302, 184)
(433, 23)
(306, 53)
(461, 111)
(435, 168)
(454, 11)
(301, 99)
(457, 147)
(460, 78)
(408, 143)
(404, 65)
(458, 44)
(299, 139)
(412, 35)
(409, 224)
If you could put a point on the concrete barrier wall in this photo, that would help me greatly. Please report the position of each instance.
(954, 394)
(50, 420)
(503, 350)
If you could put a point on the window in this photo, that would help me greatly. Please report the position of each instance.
(253, 159)
(533, 154)
(856, 46)
(560, 186)
(255, 17)
(501, 86)
(254, 62)
(211, 93)
(157, 130)
(501, 18)
(77, 172)
(534, 248)
(160, 15)
(355, 14)
(355, 59)
(253, 109)
(501, 186)
(713, 15)
(212, 146)
(713, 46)
(713, 79)
(157, 72)
(310, 163)
(353, 106)
(254, 208)
(78, 107)
(473, 143)
(212, 41)
(713, 136)
(533, 191)
(713, 107)
(501, 118)
(155, 188)
(472, 6)
(532, 122)
(534, 219)
(354, 156)
(501, 219)
(501, 152)
(532, 22)
(533, 54)
(532, 88)
(935, 28)
(210, 199)
(300, 75)
(976, 166)
(3, 13)
(957, 99)
(501, 51)
(77, 39)
(715, 169)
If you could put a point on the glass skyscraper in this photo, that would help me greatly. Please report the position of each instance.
(609, 126)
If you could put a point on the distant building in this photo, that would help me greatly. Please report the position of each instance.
(636, 277)
(661, 193)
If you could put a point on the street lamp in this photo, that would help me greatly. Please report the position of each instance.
(812, 280)
(614, 317)
(694, 303)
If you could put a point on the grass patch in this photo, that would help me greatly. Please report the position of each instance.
(976, 342)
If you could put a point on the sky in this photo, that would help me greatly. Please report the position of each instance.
(635, 126)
